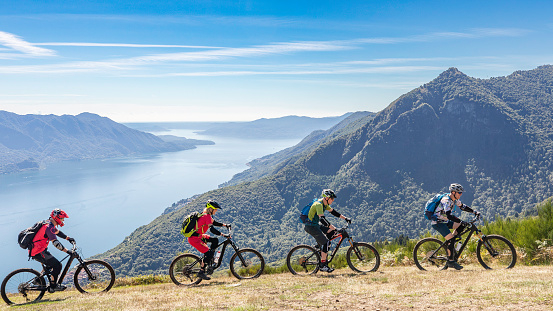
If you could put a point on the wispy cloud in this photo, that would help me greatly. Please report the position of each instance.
(16, 43)
(125, 45)
(475, 33)
(211, 53)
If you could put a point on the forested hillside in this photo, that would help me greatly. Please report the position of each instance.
(33, 141)
(270, 164)
(493, 136)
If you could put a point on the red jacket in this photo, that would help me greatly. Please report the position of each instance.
(43, 237)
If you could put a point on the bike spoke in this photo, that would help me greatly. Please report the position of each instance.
(496, 252)
(247, 264)
(303, 260)
(429, 254)
(362, 257)
(23, 286)
(184, 270)
(94, 276)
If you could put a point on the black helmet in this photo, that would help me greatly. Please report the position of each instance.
(212, 204)
(327, 193)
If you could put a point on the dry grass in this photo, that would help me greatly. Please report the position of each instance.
(391, 288)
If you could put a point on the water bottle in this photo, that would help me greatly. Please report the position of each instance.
(458, 246)
(217, 255)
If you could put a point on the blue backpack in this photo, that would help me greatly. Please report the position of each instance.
(305, 212)
(431, 205)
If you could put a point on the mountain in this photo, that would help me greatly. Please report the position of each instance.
(273, 128)
(285, 127)
(494, 136)
(270, 164)
(33, 141)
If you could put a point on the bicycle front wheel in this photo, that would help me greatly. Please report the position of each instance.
(429, 254)
(247, 263)
(363, 257)
(496, 252)
(184, 270)
(303, 260)
(23, 286)
(94, 276)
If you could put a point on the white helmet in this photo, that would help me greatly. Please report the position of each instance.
(456, 188)
(327, 193)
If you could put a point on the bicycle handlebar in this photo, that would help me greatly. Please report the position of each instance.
(343, 228)
(475, 219)
(229, 228)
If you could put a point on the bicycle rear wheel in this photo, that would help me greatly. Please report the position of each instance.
(23, 286)
(363, 257)
(184, 270)
(429, 254)
(94, 276)
(496, 252)
(303, 260)
(252, 266)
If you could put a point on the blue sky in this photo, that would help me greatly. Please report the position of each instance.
(221, 60)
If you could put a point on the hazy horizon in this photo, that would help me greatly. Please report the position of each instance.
(187, 61)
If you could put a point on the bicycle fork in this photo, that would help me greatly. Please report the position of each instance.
(356, 250)
(487, 245)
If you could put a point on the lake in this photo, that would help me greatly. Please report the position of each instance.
(108, 199)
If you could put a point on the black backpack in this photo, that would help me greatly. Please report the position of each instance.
(25, 237)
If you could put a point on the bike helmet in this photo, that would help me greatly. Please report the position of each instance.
(327, 193)
(456, 187)
(212, 204)
(58, 215)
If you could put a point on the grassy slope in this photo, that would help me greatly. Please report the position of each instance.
(391, 288)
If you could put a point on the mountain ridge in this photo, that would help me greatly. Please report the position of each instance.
(484, 134)
(34, 141)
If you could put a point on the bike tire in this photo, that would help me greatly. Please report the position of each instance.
(363, 257)
(22, 279)
(101, 280)
(303, 260)
(184, 270)
(425, 248)
(255, 264)
(504, 257)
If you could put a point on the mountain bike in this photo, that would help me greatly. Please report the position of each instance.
(493, 251)
(28, 285)
(360, 256)
(246, 263)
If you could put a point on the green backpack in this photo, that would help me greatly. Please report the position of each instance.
(189, 224)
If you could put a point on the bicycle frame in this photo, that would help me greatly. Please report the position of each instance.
(228, 241)
(472, 230)
(46, 273)
(343, 235)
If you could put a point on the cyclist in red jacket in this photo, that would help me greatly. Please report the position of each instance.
(199, 238)
(48, 232)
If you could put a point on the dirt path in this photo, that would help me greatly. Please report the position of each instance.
(395, 288)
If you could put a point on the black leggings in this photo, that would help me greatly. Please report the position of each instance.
(320, 234)
(50, 262)
(208, 256)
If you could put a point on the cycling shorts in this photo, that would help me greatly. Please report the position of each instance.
(443, 227)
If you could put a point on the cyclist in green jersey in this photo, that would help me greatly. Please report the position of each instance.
(323, 232)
